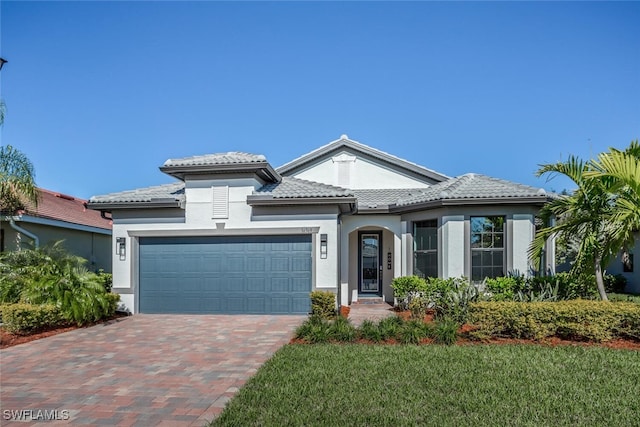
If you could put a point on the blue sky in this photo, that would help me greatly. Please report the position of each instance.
(99, 94)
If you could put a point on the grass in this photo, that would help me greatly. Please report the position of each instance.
(478, 385)
(624, 297)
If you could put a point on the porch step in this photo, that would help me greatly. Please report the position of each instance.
(368, 300)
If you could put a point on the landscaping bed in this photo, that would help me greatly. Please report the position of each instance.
(8, 339)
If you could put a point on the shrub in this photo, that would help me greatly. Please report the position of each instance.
(315, 329)
(23, 319)
(342, 330)
(413, 332)
(504, 288)
(323, 304)
(389, 327)
(50, 275)
(369, 331)
(407, 287)
(446, 331)
(576, 320)
(615, 283)
(106, 279)
(454, 303)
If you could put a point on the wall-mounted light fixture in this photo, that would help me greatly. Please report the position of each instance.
(323, 246)
(121, 247)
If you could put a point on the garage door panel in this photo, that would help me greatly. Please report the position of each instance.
(301, 264)
(257, 284)
(280, 284)
(280, 264)
(252, 274)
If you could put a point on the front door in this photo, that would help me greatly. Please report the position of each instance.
(370, 267)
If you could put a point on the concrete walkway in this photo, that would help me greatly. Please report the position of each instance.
(374, 312)
(145, 370)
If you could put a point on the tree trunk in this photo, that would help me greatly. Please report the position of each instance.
(600, 278)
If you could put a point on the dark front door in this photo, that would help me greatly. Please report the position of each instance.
(370, 271)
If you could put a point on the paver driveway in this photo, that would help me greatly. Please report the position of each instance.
(144, 370)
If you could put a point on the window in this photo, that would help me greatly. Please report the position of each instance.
(627, 262)
(220, 202)
(487, 247)
(425, 248)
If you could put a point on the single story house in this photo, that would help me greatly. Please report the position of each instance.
(56, 217)
(233, 234)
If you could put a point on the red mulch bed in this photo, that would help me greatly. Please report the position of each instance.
(7, 339)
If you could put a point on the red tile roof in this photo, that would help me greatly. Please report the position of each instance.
(61, 207)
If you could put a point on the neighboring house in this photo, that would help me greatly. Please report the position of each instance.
(235, 235)
(624, 265)
(85, 232)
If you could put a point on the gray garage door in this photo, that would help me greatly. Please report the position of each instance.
(252, 275)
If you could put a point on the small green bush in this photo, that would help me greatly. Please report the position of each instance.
(342, 330)
(112, 301)
(23, 319)
(369, 331)
(389, 327)
(323, 304)
(446, 331)
(406, 288)
(504, 288)
(315, 329)
(105, 279)
(576, 320)
(413, 332)
(615, 283)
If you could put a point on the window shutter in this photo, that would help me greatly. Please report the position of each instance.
(221, 202)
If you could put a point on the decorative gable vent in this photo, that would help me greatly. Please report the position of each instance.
(344, 163)
(220, 202)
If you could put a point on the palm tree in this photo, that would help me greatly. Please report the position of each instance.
(3, 109)
(619, 171)
(585, 214)
(17, 180)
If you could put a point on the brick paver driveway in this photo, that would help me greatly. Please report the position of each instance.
(145, 370)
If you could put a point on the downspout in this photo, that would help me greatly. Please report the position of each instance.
(36, 240)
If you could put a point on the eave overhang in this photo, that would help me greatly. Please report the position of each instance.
(346, 204)
(262, 170)
(152, 204)
(433, 204)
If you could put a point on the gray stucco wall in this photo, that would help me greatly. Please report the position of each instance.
(94, 247)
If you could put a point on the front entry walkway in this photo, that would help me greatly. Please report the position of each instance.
(359, 312)
(145, 370)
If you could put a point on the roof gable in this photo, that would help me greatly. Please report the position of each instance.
(340, 150)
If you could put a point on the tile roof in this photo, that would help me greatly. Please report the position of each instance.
(232, 157)
(472, 186)
(61, 207)
(167, 191)
(290, 188)
(376, 198)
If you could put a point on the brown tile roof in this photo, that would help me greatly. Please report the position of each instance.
(61, 207)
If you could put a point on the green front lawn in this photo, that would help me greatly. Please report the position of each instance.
(483, 385)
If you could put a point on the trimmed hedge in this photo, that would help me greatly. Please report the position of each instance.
(578, 320)
(323, 304)
(23, 319)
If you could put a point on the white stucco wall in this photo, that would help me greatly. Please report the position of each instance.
(198, 221)
(363, 174)
(453, 244)
(522, 233)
